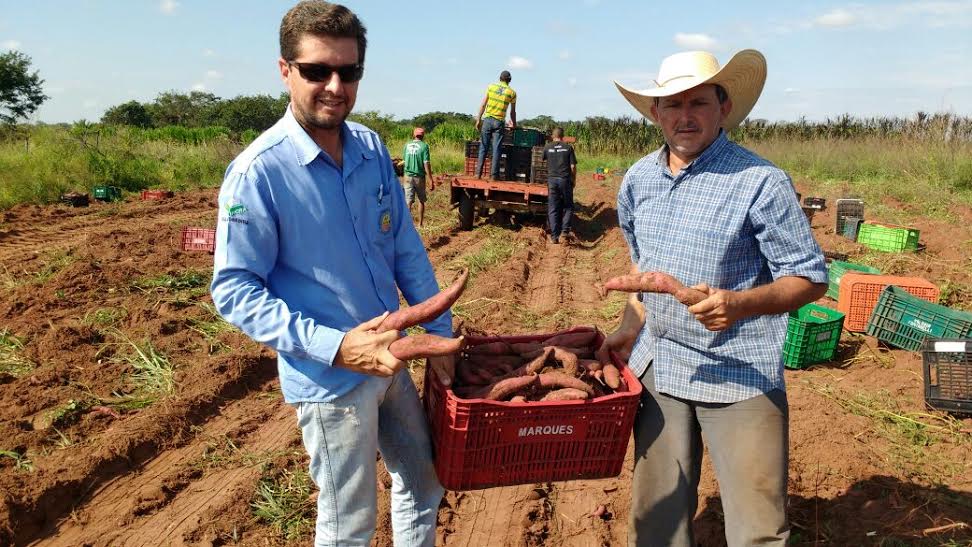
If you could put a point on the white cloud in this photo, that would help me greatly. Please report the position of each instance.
(791, 91)
(213, 75)
(695, 41)
(517, 63)
(836, 18)
(565, 55)
(209, 53)
(168, 7)
(199, 87)
(572, 81)
(10, 44)
(89, 104)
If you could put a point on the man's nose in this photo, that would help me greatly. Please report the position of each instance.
(334, 84)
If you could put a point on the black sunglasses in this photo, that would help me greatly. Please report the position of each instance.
(319, 72)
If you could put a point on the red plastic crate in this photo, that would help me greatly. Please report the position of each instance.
(198, 239)
(471, 166)
(156, 194)
(858, 295)
(482, 444)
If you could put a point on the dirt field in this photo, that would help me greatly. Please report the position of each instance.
(93, 458)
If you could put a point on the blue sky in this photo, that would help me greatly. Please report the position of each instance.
(872, 58)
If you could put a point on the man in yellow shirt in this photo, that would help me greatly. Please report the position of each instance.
(490, 121)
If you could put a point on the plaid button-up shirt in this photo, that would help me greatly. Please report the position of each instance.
(729, 219)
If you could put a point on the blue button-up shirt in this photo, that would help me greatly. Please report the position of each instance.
(729, 219)
(307, 250)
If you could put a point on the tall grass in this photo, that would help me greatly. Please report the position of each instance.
(926, 157)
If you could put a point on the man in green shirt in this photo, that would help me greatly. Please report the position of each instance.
(418, 169)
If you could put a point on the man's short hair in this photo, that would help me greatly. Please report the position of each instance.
(505, 76)
(323, 19)
(558, 133)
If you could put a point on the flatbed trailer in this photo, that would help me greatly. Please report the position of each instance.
(469, 193)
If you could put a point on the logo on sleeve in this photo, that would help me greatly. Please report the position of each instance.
(235, 212)
(385, 222)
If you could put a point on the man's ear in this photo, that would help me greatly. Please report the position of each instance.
(284, 69)
(726, 108)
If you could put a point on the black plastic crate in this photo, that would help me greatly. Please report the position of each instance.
(75, 199)
(848, 207)
(947, 365)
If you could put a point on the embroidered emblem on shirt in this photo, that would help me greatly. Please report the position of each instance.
(385, 221)
(235, 212)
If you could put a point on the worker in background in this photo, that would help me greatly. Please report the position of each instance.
(418, 169)
(561, 174)
(490, 121)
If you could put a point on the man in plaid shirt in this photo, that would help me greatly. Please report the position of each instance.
(725, 221)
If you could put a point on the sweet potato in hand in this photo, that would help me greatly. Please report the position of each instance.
(425, 345)
(657, 282)
(426, 310)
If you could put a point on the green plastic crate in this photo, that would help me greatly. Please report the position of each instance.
(106, 193)
(891, 239)
(811, 336)
(527, 137)
(838, 268)
(904, 321)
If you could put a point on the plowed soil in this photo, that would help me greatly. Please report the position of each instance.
(90, 459)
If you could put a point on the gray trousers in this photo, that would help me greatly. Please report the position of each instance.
(748, 442)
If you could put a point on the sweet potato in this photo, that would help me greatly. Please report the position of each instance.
(565, 394)
(539, 361)
(590, 365)
(426, 310)
(572, 339)
(658, 282)
(566, 359)
(490, 348)
(468, 374)
(612, 376)
(557, 380)
(518, 399)
(583, 353)
(425, 345)
(505, 388)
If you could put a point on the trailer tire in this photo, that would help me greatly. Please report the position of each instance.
(466, 210)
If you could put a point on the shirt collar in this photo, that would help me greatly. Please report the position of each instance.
(712, 151)
(307, 150)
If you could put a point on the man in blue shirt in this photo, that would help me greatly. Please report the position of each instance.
(721, 219)
(313, 243)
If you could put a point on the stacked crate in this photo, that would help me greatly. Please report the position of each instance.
(538, 165)
(472, 155)
(518, 160)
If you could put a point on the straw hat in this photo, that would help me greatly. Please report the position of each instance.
(742, 78)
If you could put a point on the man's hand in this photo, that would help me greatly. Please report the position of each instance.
(620, 342)
(479, 123)
(364, 351)
(719, 310)
(444, 367)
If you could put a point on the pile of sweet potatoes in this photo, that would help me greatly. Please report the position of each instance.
(559, 368)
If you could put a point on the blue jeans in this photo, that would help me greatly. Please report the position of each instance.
(493, 131)
(342, 438)
(560, 205)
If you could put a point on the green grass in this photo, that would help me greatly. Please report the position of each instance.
(21, 461)
(12, 361)
(908, 434)
(152, 376)
(211, 326)
(104, 317)
(498, 245)
(185, 280)
(283, 502)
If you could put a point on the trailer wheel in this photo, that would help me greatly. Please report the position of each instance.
(466, 210)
